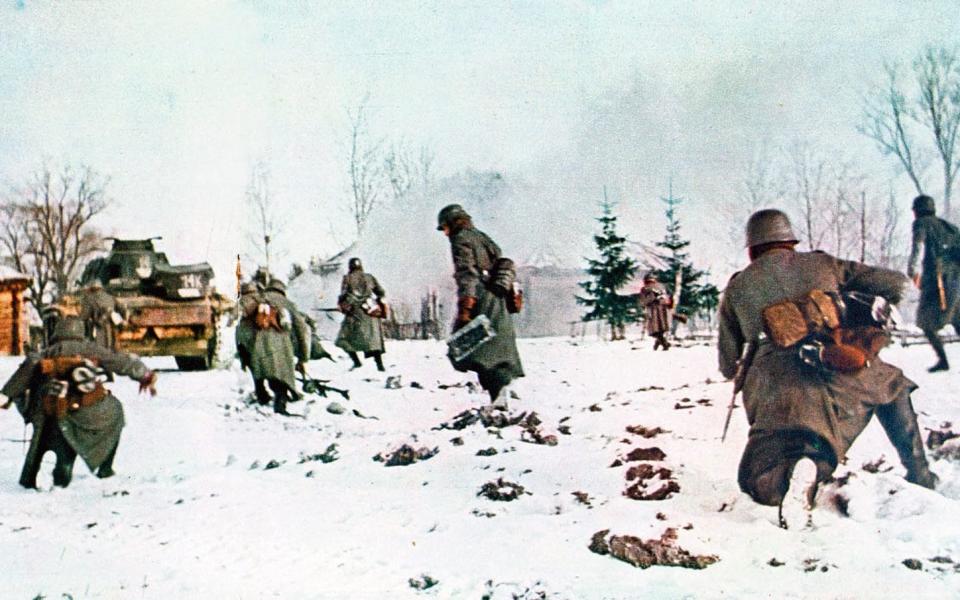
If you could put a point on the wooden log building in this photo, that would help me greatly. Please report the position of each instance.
(14, 320)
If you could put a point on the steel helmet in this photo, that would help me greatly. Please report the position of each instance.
(767, 226)
(448, 213)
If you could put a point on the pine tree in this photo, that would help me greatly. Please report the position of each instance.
(613, 270)
(696, 298)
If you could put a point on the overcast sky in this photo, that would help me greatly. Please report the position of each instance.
(177, 100)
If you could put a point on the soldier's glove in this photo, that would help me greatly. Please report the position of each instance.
(6, 401)
(465, 307)
(148, 383)
(916, 280)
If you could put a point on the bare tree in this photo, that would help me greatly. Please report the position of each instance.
(268, 225)
(809, 181)
(938, 77)
(46, 228)
(365, 166)
(894, 118)
(885, 120)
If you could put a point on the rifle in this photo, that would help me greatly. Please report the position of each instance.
(239, 273)
(334, 309)
(320, 387)
(746, 357)
(943, 295)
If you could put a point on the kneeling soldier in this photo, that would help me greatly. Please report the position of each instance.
(60, 392)
(809, 395)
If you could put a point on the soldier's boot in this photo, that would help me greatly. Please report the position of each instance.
(900, 423)
(280, 397)
(356, 360)
(796, 507)
(28, 476)
(260, 388)
(63, 470)
(378, 358)
(106, 467)
(657, 343)
(937, 343)
(666, 343)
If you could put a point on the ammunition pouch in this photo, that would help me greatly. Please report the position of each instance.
(790, 322)
(863, 331)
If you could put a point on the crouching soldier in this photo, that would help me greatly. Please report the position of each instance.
(812, 380)
(475, 260)
(361, 302)
(281, 344)
(60, 392)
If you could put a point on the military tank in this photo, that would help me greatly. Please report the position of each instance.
(166, 310)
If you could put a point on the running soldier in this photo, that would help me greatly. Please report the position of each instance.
(475, 255)
(361, 302)
(939, 280)
(61, 393)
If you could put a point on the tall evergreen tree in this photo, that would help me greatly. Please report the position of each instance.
(696, 297)
(613, 270)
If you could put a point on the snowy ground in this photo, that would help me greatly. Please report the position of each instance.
(195, 513)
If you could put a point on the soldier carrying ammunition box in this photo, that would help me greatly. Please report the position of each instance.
(485, 287)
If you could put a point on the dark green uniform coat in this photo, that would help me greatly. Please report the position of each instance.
(246, 329)
(474, 254)
(360, 332)
(931, 232)
(96, 309)
(274, 352)
(92, 431)
(781, 395)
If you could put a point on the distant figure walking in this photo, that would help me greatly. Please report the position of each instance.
(361, 302)
(657, 305)
(939, 280)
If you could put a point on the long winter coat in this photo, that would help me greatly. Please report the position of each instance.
(780, 393)
(656, 308)
(96, 310)
(931, 232)
(246, 329)
(359, 332)
(274, 352)
(93, 431)
(474, 254)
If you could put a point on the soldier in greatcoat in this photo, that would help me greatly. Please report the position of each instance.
(98, 309)
(281, 345)
(939, 279)
(497, 361)
(361, 302)
(803, 420)
(246, 333)
(656, 303)
(60, 392)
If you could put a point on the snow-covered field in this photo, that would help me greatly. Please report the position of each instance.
(195, 512)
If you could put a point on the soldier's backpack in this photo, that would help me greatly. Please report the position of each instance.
(950, 243)
(268, 316)
(833, 332)
(70, 383)
(502, 281)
